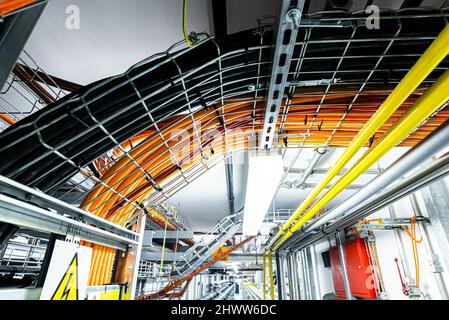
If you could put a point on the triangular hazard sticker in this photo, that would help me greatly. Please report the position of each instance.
(68, 286)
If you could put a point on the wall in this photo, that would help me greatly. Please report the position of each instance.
(325, 283)
(387, 251)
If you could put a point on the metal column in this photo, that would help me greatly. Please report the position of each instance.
(290, 272)
(264, 274)
(339, 240)
(287, 29)
(138, 253)
(316, 279)
(270, 271)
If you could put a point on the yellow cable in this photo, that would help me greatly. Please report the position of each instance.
(436, 52)
(184, 27)
(434, 98)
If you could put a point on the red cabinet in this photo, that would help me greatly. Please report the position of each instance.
(358, 267)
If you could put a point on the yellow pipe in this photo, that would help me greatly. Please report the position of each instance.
(436, 52)
(264, 265)
(270, 270)
(434, 98)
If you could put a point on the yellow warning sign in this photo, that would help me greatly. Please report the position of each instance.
(68, 286)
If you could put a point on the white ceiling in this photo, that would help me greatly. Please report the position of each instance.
(113, 35)
(204, 202)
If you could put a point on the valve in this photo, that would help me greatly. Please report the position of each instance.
(404, 287)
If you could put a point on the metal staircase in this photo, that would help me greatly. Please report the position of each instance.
(203, 250)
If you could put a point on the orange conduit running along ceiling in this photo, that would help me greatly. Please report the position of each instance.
(148, 150)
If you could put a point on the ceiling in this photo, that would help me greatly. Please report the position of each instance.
(204, 202)
(115, 34)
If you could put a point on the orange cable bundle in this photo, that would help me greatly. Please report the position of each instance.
(412, 235)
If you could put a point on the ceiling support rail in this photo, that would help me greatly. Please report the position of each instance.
(28, 207)
(287, 29)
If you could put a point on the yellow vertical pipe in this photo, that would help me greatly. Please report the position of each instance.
(270, 270)
(436, 52)
(264, 265)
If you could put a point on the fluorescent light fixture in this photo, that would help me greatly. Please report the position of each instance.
(264, 175)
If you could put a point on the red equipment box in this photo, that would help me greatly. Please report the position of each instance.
(359, 270)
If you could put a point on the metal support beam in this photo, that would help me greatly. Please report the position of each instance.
(264, 275)
(290, 277)
(138, 253)
(59, 211)
(150, 235)
(42, 212)
(339, 240)
(26, 215)
(289, 20)
(270, 274)
(310, 273)
(15, 31)
(6, 231)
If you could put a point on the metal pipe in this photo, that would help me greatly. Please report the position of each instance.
(344, 271)
(226, 293)
(290, 277)
(297, 289)
(436, 52)
(433, 144)
(270, 271)
(305, 267)
(285, 292)
(264, 273)
(300, 276)
(230, 184)
(319, 152)
(376, 202)
(434, 98)
(316, 279)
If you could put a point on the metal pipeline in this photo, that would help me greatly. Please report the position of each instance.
(226, 293)
(436, 52)
(319, 152)
(433, 144)
(270, 272)
(376, 202)
(434, 98)
(264, 274)
(230, 184)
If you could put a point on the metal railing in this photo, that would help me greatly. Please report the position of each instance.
(23, 254)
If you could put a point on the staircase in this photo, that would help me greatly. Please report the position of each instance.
(203, 250)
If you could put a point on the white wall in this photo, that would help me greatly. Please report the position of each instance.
(325, 282)
(387, 251)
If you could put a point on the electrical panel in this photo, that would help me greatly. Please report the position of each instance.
(359, 270)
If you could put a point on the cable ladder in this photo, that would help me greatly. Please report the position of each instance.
(203, 250)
